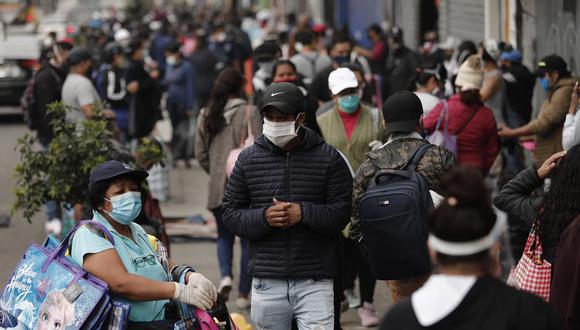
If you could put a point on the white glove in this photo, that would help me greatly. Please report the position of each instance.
(199, 281)
(192, 296)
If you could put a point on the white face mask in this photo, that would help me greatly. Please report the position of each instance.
(171, 60)
(279, 133)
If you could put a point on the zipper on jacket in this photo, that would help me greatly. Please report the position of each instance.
(288, 239)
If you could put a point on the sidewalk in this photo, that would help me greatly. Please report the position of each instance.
(188, 192)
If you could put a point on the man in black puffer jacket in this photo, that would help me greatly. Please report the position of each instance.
(289, 195)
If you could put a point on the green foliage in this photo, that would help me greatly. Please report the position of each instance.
(149, 152)
(62, 172)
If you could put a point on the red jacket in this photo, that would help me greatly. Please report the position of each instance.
(477, 144)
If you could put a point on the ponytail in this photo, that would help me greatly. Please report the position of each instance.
(228, 83)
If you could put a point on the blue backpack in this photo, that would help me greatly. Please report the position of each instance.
(393, 217)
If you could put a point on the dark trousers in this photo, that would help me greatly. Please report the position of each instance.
(355, 264)
(180, 124)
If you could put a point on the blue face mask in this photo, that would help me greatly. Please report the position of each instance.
(126, 207)
(349, 104)
(545, 83)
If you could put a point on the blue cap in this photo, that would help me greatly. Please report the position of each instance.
(512, 56)
(113, 169)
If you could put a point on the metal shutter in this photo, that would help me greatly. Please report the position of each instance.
(408, 17)
(464, 19)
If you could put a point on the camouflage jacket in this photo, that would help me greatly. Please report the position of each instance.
(396, 155)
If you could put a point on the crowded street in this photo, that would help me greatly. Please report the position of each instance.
(292, 165)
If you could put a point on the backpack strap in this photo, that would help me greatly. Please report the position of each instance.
(419, 153)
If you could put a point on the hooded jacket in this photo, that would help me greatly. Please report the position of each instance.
(313, 175)
(212, 153)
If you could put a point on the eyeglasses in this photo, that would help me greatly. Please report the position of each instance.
(140, 262)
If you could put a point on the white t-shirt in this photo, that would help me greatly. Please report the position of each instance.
(78, 91)
(571, 134)
(428, 101)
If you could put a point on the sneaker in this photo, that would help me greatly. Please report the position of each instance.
(243, 303)
(353, 300)
(367, 315)
(225, 288)
(53, 227)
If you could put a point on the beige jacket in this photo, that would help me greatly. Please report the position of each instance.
(212, 155)
(547, 127)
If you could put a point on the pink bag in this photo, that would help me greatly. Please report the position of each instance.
(532, 273)
(234, 153)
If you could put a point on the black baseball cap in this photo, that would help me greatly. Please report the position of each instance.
(285, 97)
(551, 63)
(402, 111)
(79, 54)
(113, 169)
(266, 52)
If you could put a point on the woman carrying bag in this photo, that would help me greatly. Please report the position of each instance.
(547, 216)
(466, 120)
(223, 127)
(130, 263)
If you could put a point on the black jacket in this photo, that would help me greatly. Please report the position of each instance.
(521, 200)
(314, 175)
(47, 90)
(489, 305)
(401, 69)
(144, 106)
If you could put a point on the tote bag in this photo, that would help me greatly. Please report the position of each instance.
(443, 138)
(47, 288)
(532, 273)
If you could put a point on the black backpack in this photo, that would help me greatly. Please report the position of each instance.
(393, 219)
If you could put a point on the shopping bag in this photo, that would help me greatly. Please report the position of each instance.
(532, 273)
(233, 155)
(191, 317)
(442, 137)
(47, 290)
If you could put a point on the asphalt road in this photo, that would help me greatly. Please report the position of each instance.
(188, 197)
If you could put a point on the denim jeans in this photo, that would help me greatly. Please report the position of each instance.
(225, 252)
(276, 302)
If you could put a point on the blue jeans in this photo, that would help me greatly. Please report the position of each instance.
(276, 302)
(225, 252)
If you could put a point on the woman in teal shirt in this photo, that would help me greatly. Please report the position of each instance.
(130, 267)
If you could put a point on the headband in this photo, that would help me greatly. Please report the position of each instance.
(471, 247)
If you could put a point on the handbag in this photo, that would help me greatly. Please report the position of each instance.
(234, 153)
(47, 287)
(532, 273)
(443, 138)
(193, 318)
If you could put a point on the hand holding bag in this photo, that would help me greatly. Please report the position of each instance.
(233, 155)
(532, 273)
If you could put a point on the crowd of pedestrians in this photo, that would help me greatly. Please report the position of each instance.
(348, 162)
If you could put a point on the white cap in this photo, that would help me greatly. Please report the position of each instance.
(122, 35)
(341, 79)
